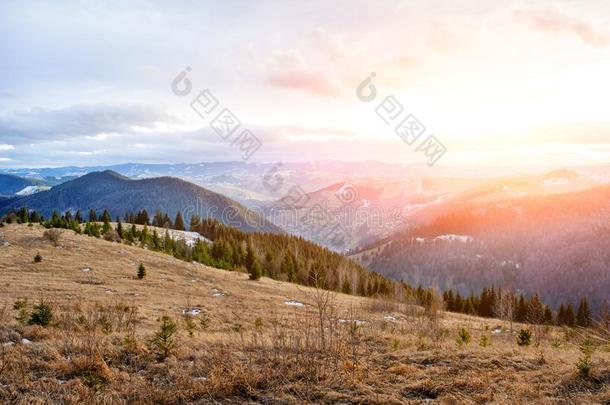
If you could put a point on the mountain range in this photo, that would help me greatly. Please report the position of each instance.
(119, 195)
(544, 232)
(553, 244)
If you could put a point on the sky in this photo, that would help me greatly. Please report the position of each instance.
(513, 83)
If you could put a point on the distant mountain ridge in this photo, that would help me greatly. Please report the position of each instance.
(119, 194)
(554, 244)
(11, 185)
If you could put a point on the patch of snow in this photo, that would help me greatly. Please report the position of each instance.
(25, 341)
(191, 311)
(200, 378)
(6, 244)
(356, 321)
(505, 263)
(496, 330)
(86, 270)
(29, 190)
(190, 238)
(455, 238)
(8, 344)
(294, 303)
(389, 318)
(217, 293)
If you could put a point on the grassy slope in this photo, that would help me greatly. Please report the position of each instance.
(412, 359)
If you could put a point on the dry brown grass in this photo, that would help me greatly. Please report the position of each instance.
(252, 347)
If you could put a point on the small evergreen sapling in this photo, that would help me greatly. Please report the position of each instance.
(463, 337)
(583, 365)
(41, 315)
(163, 341)
(21, 306)
(141, 271)
(484, 341)
(524, 338)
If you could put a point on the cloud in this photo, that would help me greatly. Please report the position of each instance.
(444, 39)
(330, 64)
(311, 82)
(575, 133)
(4, 147)
(551, 21)
(317, 66)
(300, 133)
(40, 124)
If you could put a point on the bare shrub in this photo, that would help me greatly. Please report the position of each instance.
(53, 236)
(112, 235)
(505, 306)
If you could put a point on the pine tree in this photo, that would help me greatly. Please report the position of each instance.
(583, 316)
(252, 264)
(142, 218)
(119, 229)
(468, 307)
(287, 267)
(570, 318)
(179, 222)
(167, 223)
(144, 235)
(141, 271)
(458, 303)
(255, 271)
(561, 315)
(92, 216)
(346, 287)
(106, 222)
(548, 315)
(449, 300)
(23, 216)
(195, 223)
(164, 341)
(106, 217)
(55, 220)
(535, 310)
(158, 219)
(486, 304)
(35, 217)
(156, 241)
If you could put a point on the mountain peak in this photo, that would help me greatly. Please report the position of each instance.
(106, 174)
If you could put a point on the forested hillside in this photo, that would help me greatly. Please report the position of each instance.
(554, 245)
(11, 185)
(118, 194)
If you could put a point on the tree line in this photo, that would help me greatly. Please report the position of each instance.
(278, 256)
(505, 304)
(293, 259)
